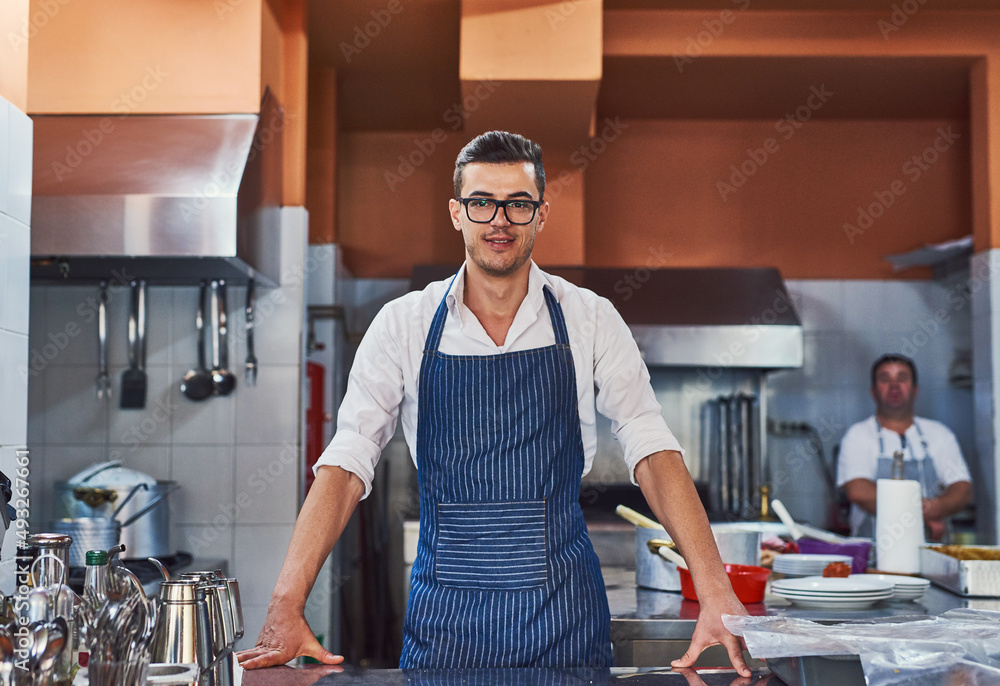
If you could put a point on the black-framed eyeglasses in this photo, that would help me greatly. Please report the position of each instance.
(517, 211)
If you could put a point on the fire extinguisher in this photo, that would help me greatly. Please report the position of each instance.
(316, 417)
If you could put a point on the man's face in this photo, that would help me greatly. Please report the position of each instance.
(894, 388)
(498, 248)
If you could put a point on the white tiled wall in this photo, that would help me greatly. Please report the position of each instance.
(985, 288)
(847, 325)
(15, 245)
(237, 458)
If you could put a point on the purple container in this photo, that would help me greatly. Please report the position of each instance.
(857, 551)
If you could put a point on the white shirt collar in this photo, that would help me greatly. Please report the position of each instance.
(527, 313)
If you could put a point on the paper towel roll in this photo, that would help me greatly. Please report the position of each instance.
(899, 528)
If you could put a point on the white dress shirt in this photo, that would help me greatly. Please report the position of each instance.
(384, 379)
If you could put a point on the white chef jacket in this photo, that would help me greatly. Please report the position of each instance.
(384, 379)
(859, 453)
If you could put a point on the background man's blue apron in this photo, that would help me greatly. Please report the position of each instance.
(505, 575)
(914, 468)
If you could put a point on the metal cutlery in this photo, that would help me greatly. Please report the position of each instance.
(134, 378)
(197, 383)
(103, 379)
(223, 379)
(250, 366)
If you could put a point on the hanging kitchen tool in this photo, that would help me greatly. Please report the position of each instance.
(197, 383)
(732, 426)
(250, 366)
(223, 379)
(103, 380)
(134, 378)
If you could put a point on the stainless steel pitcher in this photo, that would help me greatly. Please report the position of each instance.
(184, 631)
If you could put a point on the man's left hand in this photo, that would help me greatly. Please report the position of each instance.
(710, 631)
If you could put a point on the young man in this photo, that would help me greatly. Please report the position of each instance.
(493, 373)
(931, 453)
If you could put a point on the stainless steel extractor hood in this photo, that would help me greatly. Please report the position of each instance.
(170, 198)
(693, 317)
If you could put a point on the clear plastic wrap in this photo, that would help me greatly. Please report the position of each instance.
(958, 647)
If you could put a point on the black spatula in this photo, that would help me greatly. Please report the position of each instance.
(133, 396)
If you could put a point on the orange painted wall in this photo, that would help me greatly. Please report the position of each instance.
(283, 69)
(393, 213)
(392, 203)
(16, 27)
(654, 196)
(163, 56)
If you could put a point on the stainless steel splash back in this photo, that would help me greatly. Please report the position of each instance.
(694, 317)
(132, 194)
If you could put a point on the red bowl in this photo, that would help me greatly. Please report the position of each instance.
(748, 582)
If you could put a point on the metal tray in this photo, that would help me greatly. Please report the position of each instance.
(964, 577)
(818, 670)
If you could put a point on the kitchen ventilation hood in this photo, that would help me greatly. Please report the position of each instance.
(692, 317)
(173, 199)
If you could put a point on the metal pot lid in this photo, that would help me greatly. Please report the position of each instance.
(110, 475)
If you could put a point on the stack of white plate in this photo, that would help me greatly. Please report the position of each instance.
(818, 593)
(795, 565)
(904, 587)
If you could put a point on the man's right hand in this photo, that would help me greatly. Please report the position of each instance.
(284, 637)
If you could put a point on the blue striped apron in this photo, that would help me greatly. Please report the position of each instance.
(914, 469)
(505, 575)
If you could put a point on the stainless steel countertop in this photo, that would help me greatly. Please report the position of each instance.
(648, 614)
(319, 675)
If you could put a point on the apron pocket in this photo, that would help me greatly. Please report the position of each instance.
(492, 546)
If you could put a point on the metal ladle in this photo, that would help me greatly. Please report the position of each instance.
(224, 380)
(197, 383)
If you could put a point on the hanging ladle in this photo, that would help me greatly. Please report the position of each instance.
(197, 383)
(223, 379)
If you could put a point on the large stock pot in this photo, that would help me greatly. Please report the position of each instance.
(135, 499)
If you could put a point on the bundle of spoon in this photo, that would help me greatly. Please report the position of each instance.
(119, 629)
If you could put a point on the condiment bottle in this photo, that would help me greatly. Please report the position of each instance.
(95, 592)
(898, 468)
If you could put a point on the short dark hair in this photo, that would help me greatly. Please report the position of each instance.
(501, 147)
(894, 357)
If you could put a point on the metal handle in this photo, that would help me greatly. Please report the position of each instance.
(223, 326)
(141, 326)
(102, 331)
(133, 325)
(131, 494)
(199, 322)
(214, 314)
(654, 545)
(151, 505)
